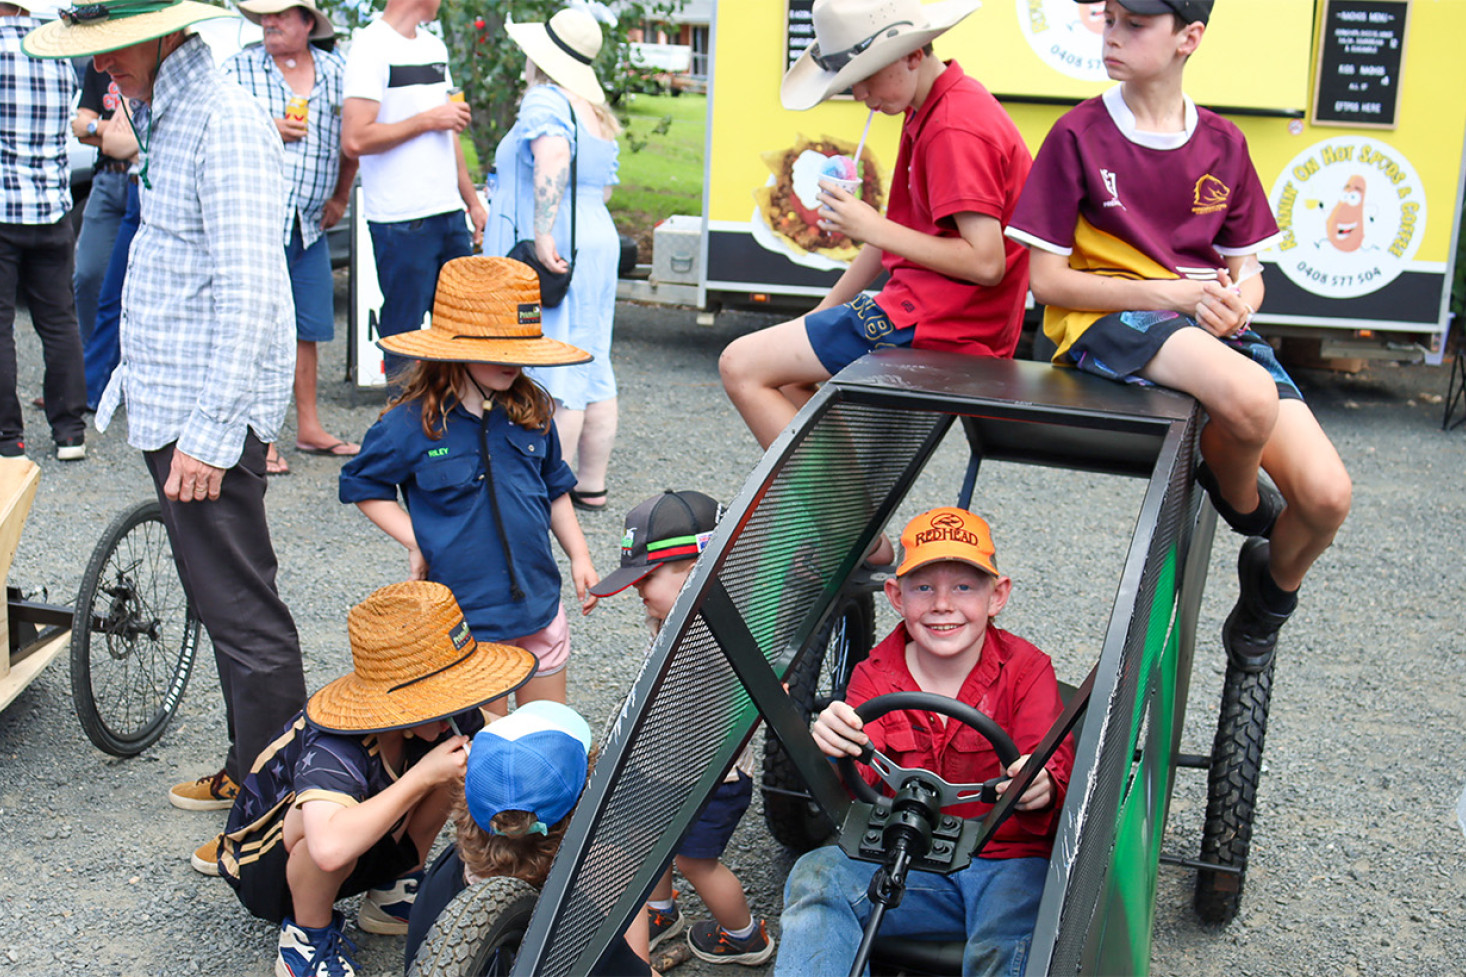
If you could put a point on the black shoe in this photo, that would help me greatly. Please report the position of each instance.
(1250, 633)
(1258, 522)
(71, 449)
(13, 448)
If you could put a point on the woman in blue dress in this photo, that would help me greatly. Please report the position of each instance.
(564, 112)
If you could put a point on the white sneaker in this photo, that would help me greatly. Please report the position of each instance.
(384, 909)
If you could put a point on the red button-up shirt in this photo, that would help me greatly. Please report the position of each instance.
(1014, 684)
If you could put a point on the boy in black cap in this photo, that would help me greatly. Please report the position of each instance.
(1145, 217)
(664, 536)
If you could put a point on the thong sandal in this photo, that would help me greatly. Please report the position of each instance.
(275, 464)
(582, 500)
(336, 449)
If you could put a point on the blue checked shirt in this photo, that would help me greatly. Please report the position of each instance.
(35, 116)
(208, 324)
(312, 164)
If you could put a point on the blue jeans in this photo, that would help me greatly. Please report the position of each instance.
(994, 901)
(99, 223)
(104, 349)
(409, 255)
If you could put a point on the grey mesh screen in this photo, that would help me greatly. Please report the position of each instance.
(780, 569)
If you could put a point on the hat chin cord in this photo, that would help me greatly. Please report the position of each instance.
(516, 593)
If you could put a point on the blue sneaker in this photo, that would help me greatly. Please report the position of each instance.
(323, 952)
(384, 909)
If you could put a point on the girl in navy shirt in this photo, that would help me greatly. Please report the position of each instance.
(470, 445)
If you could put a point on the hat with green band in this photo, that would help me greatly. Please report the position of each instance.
(107, 25)
(663, 529)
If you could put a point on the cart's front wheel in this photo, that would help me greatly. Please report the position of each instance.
(135, 635)
(793, 817)
(479, 932)
(1236, 769)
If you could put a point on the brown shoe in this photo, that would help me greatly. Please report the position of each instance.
(213, 793)
(206, 860)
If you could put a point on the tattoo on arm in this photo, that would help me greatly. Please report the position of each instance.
(549, 190)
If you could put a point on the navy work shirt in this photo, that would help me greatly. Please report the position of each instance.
(442, 483)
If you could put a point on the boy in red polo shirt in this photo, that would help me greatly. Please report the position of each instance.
(1146, 216)
(947, 591)
(955, 282)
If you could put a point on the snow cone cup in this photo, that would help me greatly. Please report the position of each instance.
(840, 171)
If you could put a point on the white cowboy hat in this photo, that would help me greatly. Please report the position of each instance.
(564, 48)
(856, 38)
(107, 25)
(253, 10)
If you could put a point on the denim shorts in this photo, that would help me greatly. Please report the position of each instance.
(313, 288)
(1118, 346)
(844, 334)
(708, 835)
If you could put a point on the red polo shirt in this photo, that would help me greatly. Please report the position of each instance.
(1014, 684)
(959, 152)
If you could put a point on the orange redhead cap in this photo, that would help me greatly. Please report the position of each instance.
(947, 533)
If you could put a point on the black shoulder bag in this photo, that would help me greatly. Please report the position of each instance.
(553, 284)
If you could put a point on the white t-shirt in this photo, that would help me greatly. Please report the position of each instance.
(405, 76)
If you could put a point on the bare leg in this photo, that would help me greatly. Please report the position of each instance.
(550, 687)
(569, 423)
(1308, 471)
(662, 891)
(427, 819)
(308, 430)
(719, 889)
(597, 436)
(758, 370)
(312, 889)
(1241, 402)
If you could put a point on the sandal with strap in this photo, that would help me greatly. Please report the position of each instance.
(584, 500)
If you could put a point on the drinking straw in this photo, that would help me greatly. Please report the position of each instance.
(860, 149)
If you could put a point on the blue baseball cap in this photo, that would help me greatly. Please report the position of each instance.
(534, 760)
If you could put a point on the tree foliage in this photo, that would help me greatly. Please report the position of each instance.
(490, 67)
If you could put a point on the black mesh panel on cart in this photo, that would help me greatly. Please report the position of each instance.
(779, 568)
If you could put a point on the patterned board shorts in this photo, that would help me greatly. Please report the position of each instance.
(1119, 345)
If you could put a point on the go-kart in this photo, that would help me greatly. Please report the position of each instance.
(780, 596)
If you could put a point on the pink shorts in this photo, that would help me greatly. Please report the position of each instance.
(550, 644)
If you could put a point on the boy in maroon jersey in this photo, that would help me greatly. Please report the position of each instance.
(955, 283)
(1145, 216)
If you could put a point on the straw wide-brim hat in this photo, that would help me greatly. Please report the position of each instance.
(565, 48)
(107, 25)
(486, 310)
(415, 662)
(856, 38)
(253, 10)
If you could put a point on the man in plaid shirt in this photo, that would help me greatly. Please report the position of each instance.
(36, 238)
(286, 68)
(208, 349)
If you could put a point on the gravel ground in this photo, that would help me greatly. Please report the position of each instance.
(1356, 854)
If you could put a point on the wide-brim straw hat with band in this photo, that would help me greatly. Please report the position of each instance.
(95, 28)
(486, 310)
(853, 39)
(415, 662)
(565, 47)
(253, 10)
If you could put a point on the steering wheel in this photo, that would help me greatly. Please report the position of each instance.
(894, 776)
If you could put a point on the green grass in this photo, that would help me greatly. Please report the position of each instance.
(661, 172)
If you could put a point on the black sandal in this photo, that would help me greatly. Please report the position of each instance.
(581, 500)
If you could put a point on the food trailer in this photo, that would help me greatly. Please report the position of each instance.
(1354, 111)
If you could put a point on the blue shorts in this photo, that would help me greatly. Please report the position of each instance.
(844, 334)
(1118, 346)
(313, 288)
(709, 834)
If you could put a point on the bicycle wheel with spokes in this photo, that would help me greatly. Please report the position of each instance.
(135, 635)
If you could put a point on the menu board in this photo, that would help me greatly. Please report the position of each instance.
(1361, 49)
(799, 30)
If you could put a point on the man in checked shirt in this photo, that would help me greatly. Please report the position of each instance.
(36, 236)
(208, 348)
